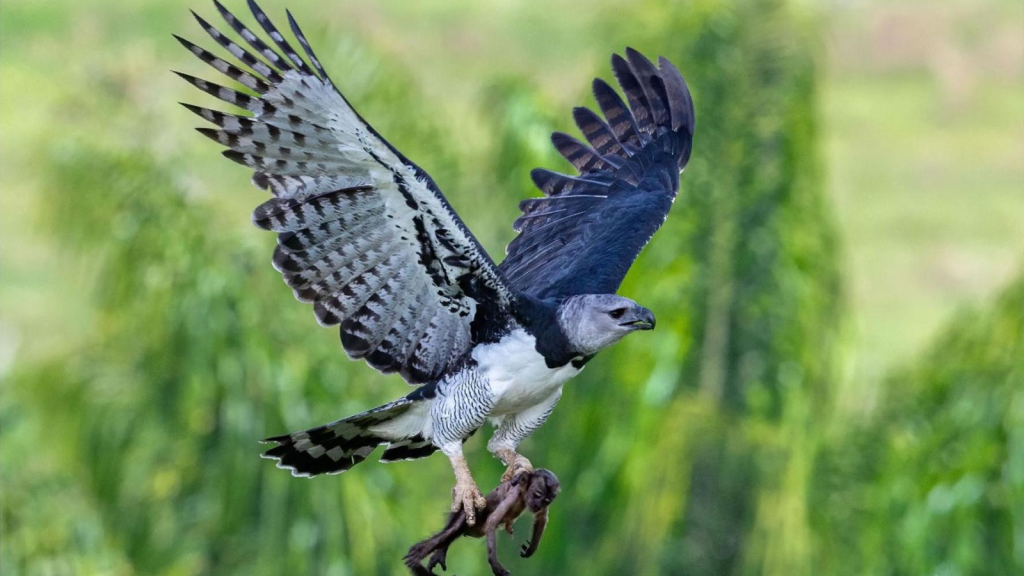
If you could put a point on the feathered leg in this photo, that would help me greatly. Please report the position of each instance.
(514, 429)
(459, 409)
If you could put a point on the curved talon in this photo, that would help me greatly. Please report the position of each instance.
(519, 464)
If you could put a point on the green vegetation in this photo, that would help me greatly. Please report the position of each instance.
(933, 482)
(153, 344)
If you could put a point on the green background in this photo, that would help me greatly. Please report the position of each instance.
(836, 385)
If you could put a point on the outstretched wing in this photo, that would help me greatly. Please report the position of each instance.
(363, 233)
(585, 233)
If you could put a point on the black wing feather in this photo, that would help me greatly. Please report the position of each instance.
(635, 95)
(278, 39)
(582, 237)
(582, 157)
(619, 117)
(305, 46)
(258, 45)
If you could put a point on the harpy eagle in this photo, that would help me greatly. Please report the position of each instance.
(367, 238)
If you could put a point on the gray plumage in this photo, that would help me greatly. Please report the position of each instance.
(364, 235)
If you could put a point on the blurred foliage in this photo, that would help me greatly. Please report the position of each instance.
(706, 448)
(933, 482)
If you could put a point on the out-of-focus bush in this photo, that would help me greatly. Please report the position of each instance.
(933, 483)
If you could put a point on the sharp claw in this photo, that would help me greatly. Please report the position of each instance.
(518, 465)
(468, 499)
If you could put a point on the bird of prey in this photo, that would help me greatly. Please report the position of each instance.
(367, 238)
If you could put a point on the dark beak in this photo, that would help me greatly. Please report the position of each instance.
(642, 319)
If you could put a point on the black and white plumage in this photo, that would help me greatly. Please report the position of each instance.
(363, 234)
(367, 238)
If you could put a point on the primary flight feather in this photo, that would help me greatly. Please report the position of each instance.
(367, 238)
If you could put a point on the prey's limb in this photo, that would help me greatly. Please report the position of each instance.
(540, 521)
(437, 545)
(494, 520)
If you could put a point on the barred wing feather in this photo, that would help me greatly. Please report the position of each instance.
(582, 236)
(363, 233)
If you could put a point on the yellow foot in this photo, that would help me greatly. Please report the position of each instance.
(466, 496)
(516, 463)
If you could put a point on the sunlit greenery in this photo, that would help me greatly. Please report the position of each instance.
(157, 344)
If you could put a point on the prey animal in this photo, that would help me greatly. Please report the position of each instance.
(366, 237)
(533, 491)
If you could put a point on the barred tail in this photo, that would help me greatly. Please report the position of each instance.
(334, 448)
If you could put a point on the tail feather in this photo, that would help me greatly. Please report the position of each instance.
(336, 447)
(408, 449)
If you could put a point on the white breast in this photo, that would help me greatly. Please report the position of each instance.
(516, 373)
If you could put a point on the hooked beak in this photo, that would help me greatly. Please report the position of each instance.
(642, 319)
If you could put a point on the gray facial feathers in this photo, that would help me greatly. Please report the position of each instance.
(592, 322)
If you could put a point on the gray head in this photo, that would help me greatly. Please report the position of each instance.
(594, 321)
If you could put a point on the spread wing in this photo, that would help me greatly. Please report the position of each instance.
(363, 233)
(585, 233)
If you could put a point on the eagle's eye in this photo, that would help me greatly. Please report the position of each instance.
(617, 313)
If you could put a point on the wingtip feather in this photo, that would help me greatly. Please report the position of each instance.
(210, 133)
(679, 95)
(234, 156)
